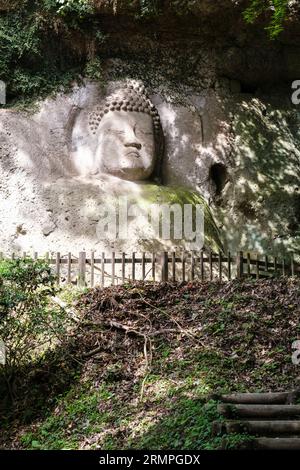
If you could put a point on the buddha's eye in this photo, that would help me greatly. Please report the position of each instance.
(116, 131)
(142, 131)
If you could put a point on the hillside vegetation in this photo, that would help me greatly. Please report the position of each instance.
(45, 44)
(142, 360)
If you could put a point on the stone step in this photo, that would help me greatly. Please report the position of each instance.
(275, 443)
(258, 428)
(260, 398)
(259, 411)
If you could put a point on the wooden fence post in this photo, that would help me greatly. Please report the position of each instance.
(81, 269)
(240, 265)
(165, 266)
(192, 266)
(220, 265)
(123, 266)
(202, 265)
(133, 266)
(183, 266)
(173, 266)
(153, 266)
(210, 265)
(143, 266)
(102, 269)
(113, 268)
(229, 265)
(257, 266)
(92, 268)
(69, 268)
(57, 267)
(266, 263)
(292, 265)
(248, 264)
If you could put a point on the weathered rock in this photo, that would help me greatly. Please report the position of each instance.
(240, 153)
(47, 229)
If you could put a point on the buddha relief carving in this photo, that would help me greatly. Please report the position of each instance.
(128, 133)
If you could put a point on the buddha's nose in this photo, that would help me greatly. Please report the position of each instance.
(134, 144)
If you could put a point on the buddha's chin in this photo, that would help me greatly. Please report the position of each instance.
(130, 173)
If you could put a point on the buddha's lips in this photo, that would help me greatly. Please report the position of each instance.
(133, 153)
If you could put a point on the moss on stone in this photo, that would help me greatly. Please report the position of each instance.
(151, 194)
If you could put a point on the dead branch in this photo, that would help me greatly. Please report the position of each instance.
(145, 335)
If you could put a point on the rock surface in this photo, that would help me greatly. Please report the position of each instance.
(222, 90)
(240, 152)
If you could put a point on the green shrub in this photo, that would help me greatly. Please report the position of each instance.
(278, 9)
(45, 44)
(37, 56)
(28, 320)
(77, 8)
(93, 69)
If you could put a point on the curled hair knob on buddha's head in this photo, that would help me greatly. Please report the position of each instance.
(131, 97)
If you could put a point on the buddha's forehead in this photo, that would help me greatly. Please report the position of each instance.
(121, 119)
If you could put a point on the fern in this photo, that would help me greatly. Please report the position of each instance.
(278, 10)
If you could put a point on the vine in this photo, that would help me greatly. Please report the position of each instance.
(44, 44)
(36, 57)
(278, 9)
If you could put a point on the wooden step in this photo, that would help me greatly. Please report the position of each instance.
(260, 398)
(273, 419)
(257, 428)
(277, 443)
(259, 411)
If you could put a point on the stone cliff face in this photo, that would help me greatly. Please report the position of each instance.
(49, 204)
(210, 41)
(223, 92)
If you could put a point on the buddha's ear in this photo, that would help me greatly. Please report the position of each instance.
(100, 137)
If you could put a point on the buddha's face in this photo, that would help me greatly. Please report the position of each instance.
(126, 145)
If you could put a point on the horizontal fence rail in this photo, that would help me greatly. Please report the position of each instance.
(90, 269)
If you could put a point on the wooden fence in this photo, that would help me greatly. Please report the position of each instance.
(90, 270)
